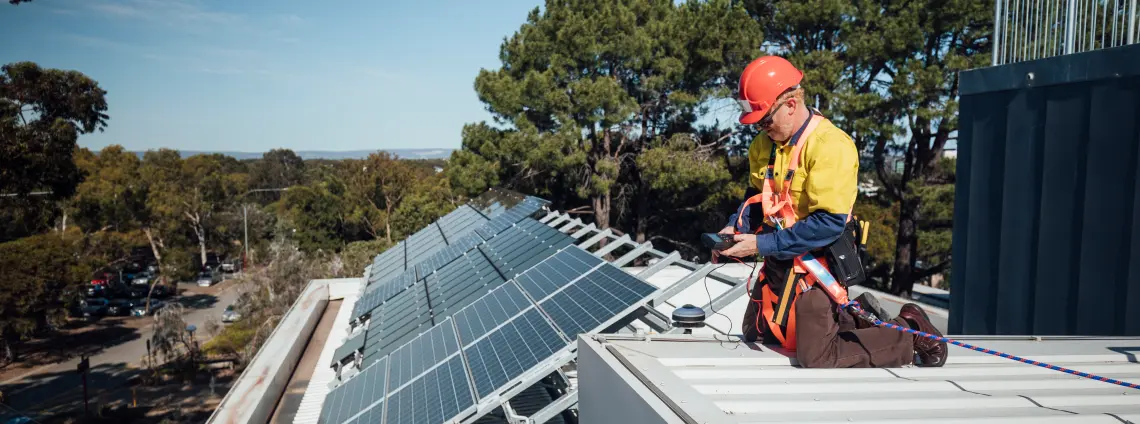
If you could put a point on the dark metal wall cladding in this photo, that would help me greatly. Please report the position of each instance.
(1047, 209)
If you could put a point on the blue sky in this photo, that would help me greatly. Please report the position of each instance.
(252, 75)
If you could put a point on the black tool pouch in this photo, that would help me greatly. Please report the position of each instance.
(843, 256)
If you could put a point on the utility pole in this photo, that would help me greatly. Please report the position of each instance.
(82, 368)
(245, 244)
(245, 221)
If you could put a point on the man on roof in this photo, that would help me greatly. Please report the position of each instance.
(803, 174)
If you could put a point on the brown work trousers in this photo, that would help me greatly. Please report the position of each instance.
(827, 336)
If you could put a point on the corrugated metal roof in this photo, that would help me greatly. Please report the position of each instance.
(727, 320)
(728, 382)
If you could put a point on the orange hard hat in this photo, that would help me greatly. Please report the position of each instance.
(762, 82)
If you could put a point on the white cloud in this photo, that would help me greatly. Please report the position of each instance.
(193, 36)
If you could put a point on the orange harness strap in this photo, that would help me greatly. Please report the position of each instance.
(778, 209)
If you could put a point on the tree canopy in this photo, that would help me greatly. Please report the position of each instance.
(42, 114)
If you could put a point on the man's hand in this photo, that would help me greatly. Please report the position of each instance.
(745, 246)
(726, 230)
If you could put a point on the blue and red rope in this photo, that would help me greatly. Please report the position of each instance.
(858, 311)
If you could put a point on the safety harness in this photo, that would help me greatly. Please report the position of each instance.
(778, 208)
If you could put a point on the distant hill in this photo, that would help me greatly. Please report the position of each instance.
(319, 154)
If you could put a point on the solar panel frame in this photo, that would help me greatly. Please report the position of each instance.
(458, 288)
(610, 290)
(429, 368)
(484, 314)
(560, 269)
(379, 293)
(503, 347)
(511, 350)
(363, 392)
(461, 224)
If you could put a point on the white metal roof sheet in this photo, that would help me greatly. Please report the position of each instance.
(723, 382)
(727, 320)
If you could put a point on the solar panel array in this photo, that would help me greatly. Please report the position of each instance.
(446, 370)
(403, 308)
(441, 242)
(451, 227)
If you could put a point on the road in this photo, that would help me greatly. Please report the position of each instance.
(45, 390)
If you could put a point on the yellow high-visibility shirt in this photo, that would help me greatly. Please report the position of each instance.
(826, 182)
(828, 174)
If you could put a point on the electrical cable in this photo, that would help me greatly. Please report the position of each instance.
(715, 312)
(747, 291)
(858, 311)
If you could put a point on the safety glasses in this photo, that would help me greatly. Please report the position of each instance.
(746, 107)
(766, 121)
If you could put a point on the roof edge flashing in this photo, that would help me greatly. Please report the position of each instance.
(253, 396)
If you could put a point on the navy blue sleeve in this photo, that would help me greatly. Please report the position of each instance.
(818, 230)
(748, 193)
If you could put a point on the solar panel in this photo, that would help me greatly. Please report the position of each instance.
(593, 299)
(396, 321)
(506, 219)
(483, 315)
(364, 392)
(443, 257)
(460, 283)
(378, 293)
(389, 261)
(464, 221)
(426, 383)
(502, 335)
(516, 249)
(513, 252)
(424, 242)
(510, 350)
(438, 395)
(345, 350)
(418, 355)
(554, 273)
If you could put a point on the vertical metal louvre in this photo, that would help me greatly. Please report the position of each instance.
(1047, 210)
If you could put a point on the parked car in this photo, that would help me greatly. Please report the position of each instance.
(231, 265)
(140, 309)
(121, 307)
(209, 278)
(93, 307)
(143, 278)
(230, 314)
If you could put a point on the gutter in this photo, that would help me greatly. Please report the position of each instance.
(254, 395)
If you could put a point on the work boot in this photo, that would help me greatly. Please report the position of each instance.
(870, 303)
(928, 352)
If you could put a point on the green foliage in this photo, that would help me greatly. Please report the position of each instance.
(42, 113)
(231, 341)
(278, 168)
(585, 94)
(113, 196)
(888, 73)
(314, 215)
(359, 254)
(428, 200)
(26, 216)
(376, 187)
(41, 277)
